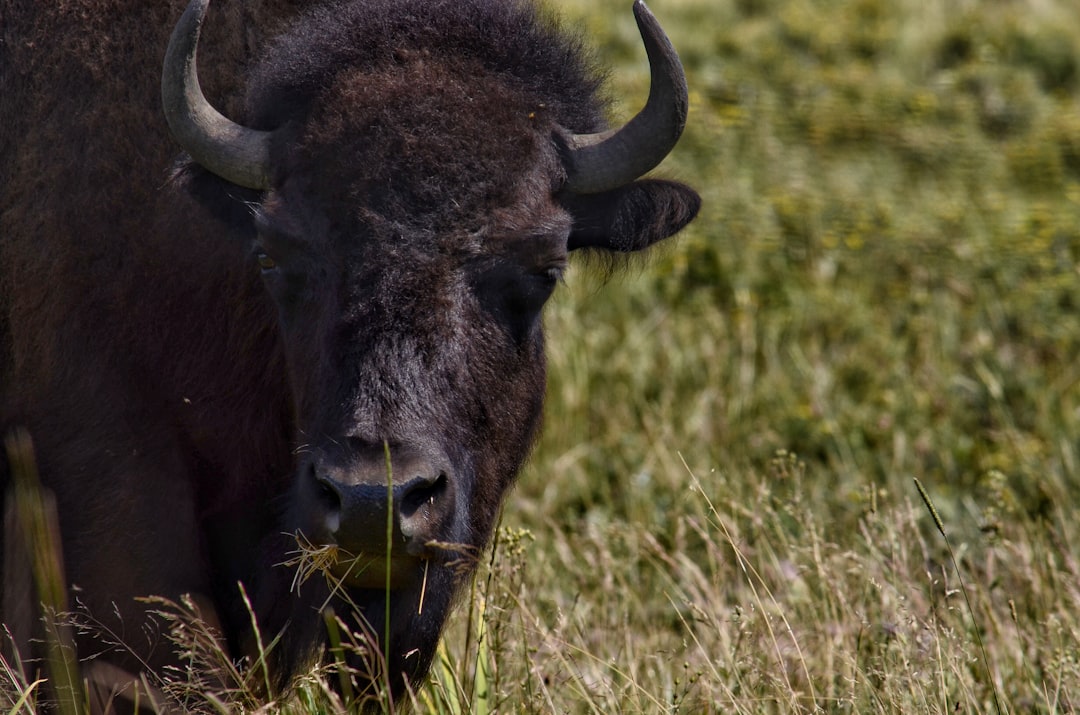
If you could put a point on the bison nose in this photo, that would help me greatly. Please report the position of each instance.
(360, 514)
(420, 507)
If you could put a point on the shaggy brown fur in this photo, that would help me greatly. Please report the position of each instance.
(187, 409)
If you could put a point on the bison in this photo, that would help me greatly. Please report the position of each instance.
(318, 320)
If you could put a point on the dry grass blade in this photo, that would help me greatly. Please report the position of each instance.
(940, 524)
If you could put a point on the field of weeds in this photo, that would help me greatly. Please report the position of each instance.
(724, 514)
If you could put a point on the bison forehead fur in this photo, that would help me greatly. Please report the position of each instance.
(325, 328)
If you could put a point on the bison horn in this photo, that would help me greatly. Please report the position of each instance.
(233, 152)
(604, 161)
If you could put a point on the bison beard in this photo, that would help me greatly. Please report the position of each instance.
(322, 323)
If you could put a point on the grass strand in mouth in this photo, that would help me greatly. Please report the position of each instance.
(423, 588)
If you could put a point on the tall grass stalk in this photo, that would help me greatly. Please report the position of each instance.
(963, 589)
(389, 549)
(262, 653)
(31, 521)
(337, 651)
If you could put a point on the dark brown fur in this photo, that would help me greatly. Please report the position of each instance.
(179, 401)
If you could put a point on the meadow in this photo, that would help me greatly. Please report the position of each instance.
(877, 311)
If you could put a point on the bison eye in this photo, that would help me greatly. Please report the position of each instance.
(265, 262)
(515, 294)
(552, 275)
(533, 289)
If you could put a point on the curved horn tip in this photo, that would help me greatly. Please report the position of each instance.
(606, 160)
(229, 150)
(197, 9)
(644, 16)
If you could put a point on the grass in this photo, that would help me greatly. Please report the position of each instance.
(883, 287)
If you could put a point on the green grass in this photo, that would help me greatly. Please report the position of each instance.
(883, 286)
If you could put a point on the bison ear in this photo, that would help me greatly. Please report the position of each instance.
(631, 217)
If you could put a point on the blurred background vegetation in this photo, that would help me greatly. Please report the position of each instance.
(883, 285)
(884, 278)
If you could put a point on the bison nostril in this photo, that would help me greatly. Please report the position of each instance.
(329, 494)
(420, 500)
(329, 500)
(327, 491)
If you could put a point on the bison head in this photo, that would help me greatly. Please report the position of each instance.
(418, 192)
